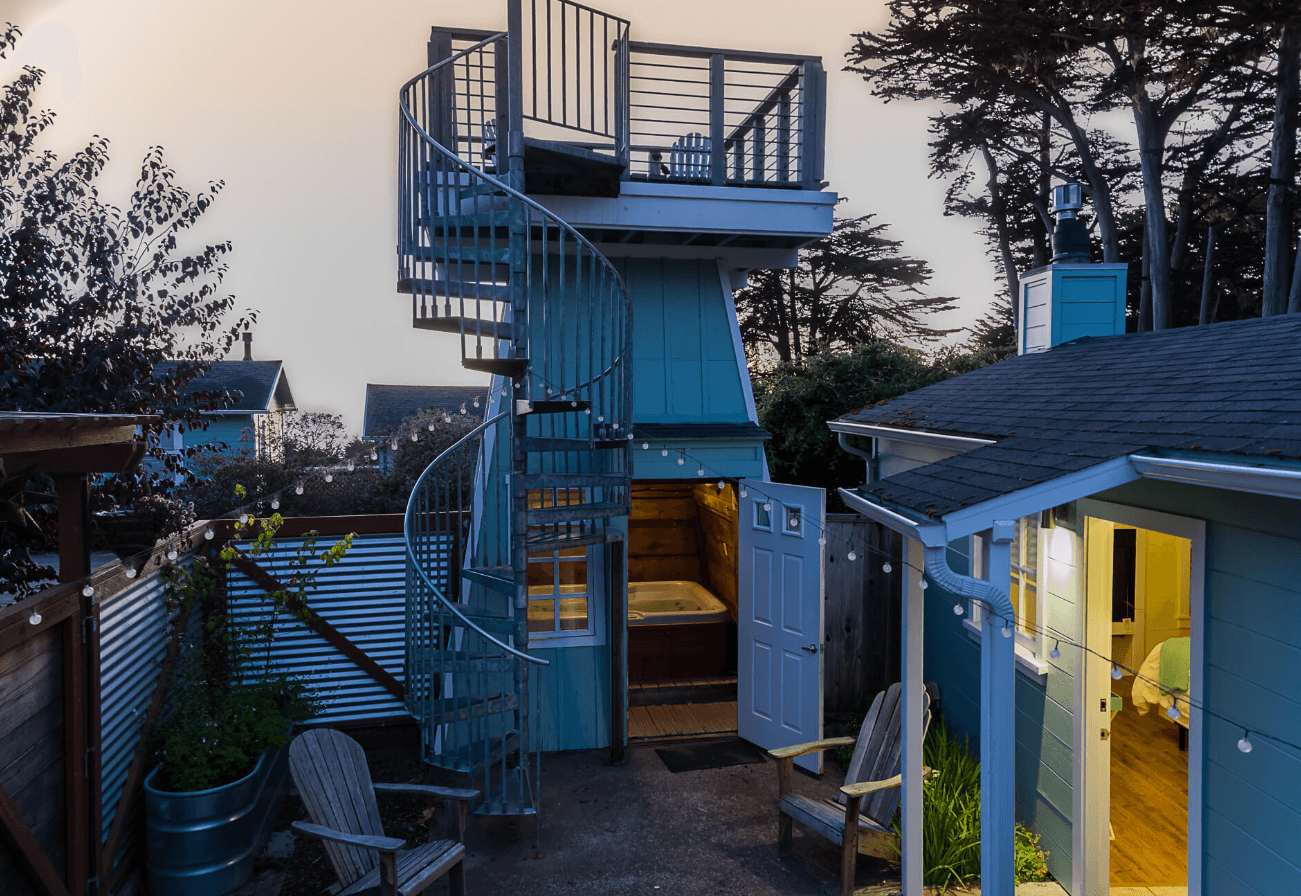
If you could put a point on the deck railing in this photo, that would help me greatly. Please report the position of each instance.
(725, 117)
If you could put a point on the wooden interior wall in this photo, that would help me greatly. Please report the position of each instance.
(664, 537)
(32, 751)
(718, 513)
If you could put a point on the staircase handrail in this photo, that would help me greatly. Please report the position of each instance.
(504, 187)
(406, 533)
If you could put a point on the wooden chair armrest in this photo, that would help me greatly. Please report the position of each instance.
(863, 788)
(451, 793)
(321, 832)
(811, 747)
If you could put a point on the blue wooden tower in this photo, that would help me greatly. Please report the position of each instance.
(557, 182)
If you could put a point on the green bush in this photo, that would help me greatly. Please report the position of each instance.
(951, 817)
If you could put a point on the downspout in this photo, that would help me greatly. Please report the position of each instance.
(873, 461)
(937, 567)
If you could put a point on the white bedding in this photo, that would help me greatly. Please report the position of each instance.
(1147, 691)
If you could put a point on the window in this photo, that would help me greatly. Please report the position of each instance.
(560, 604)
(1024, 591)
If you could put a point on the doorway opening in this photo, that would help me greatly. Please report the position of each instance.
(1140, 623)
(682, 610)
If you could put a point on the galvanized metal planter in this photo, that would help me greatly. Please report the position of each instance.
(203, 843)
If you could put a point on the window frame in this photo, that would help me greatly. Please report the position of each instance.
(593, 635)
(1029, 651)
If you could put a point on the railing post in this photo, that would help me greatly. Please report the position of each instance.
(515, 88)
(441, 113)
(622, 104)
(717, 104)
(813, 120)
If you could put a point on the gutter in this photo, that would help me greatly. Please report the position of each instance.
(1282, 483)
(911, 436)
(935, 551)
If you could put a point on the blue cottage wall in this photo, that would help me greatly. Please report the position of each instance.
(1251, 812)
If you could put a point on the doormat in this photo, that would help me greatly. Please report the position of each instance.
(714, 754)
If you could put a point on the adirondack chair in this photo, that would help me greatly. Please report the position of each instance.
(690, 158)
(332, 777)
(859, 818)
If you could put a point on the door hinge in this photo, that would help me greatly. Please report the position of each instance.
(1102, 705)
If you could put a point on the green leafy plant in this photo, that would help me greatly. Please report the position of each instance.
(228, 704)
(951, 817)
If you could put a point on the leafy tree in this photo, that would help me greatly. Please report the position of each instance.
(313, 438)
(852, 287)
(95, 298)
(796, 401)
(1021, 82)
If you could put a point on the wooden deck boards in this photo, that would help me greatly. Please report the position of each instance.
(681, 720)
(1149, 802)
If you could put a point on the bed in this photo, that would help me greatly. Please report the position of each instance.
(1163, 684)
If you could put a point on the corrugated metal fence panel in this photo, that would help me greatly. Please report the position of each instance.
(132, 643)
(364, 597)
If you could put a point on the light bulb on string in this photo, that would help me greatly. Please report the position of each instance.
(351, 466)
(852, 556)
(767, 505)
(298, 489)
(208, 534)
(275, 504)
(447, 418)
(645, 446)
(587, 411)
(1055, 653)
(476, 401)
(1115, 672)
(88, 591)
(822, 540)
(171, 555)
(682, 459)
(35, 618)
(462, 407)
(600, 418)
(744, 491)
(1007, 630)
(664, 452)
(329, 477)
(430, 426)
(243, 519)
(130, 572)
(1244, 743)
(721, 485)
(700, 471)
(374, 455)
(1173, 713)
(923, 584)
(629, 435)
(886, 567)
(958, 610)
(415, 437)
(393, 443)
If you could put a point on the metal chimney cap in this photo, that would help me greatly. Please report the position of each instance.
(1067, 200)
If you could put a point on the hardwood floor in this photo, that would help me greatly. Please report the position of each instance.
(681, 719)
(1149, 801)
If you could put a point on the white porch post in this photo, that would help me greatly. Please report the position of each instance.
(997, 729)
(911, 759)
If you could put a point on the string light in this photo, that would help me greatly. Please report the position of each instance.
(275, 503)
(1006, 630)
(1173, 712)
(476, 401)
(682, 459)
(374, 455)
(35, 618)
(88, 591)
(645, 446)
(852, 556)
(447, 418)
(171, 554)
(886, 567)
(243, 519)
(923, 584)
(415, 437)
(298, 489)
(664, 452)
(351, 466)
(209, 534)
(721, 485)
(130, 572)
(1244, 744)
(430, 427)
(329, 477)
(700, 471)
(767, 505)
(1055, 653)
(1116, 673)
(393, 443)
(744, 491)
(958, 609)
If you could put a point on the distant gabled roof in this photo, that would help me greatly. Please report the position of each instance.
(258, 382)
(1232, 388)
(387, 406)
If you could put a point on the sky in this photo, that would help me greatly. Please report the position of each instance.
(293, 104)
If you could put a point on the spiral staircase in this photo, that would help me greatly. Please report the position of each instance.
(535, 305)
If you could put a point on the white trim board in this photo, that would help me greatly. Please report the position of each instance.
(911, 436)
(1195, 531)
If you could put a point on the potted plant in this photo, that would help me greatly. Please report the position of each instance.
(221, 771)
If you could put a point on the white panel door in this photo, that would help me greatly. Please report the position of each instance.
(779, 617)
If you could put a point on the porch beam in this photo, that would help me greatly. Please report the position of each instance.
(998, 728)
(911, 759)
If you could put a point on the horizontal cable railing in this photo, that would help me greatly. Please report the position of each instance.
(724, 117)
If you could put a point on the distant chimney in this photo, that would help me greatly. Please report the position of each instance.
(1070, 298)
(248, 346)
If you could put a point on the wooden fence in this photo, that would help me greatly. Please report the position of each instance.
(863, 608)
(74, 731)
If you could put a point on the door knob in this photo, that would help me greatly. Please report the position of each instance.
(812, 648)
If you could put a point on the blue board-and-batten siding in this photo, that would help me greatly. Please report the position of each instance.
(1251, 802)
(1044, 762)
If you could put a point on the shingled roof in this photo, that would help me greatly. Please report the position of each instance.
(387, 406)
(1232, 388)
(253, 383)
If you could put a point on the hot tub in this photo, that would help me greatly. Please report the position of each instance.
(672, 603)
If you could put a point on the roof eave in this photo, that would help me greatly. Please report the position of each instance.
(913, 436)
(1260, 478)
